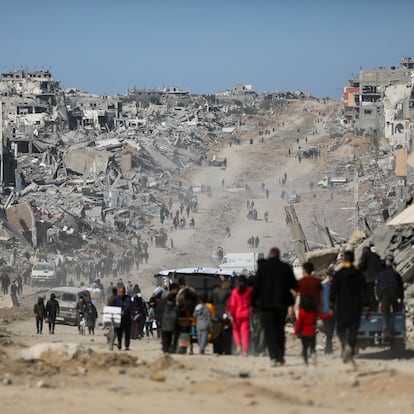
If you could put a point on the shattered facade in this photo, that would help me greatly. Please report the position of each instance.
(381, 101)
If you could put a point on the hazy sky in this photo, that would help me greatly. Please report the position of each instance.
(206, 46)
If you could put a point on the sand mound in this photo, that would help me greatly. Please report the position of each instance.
(163, 363)
(94, 360)
(19, 313)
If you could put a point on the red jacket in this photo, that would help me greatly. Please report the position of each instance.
(306, 322)
(240, 303)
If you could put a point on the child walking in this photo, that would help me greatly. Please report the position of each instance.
(149, 329)
(202, 316)
(305, 327)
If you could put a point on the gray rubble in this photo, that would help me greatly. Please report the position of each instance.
(94, 170)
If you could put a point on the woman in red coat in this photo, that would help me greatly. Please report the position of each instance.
(240, 314)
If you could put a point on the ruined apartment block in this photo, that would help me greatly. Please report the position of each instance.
(381, 101)
(241, 93)
(92, 112)
(32, 101)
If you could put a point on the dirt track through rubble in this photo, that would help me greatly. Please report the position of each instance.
(142, 379)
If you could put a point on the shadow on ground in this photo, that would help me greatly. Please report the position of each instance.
(386, 354)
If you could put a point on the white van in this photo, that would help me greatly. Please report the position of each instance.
(241, 262)
(43, 273)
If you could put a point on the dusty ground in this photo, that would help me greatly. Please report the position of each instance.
(98, 380)
(118, 381)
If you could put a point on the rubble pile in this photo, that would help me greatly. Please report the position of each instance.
(370, 174)
(87, 173)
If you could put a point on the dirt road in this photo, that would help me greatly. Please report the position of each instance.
(142, 379)
(106, 382)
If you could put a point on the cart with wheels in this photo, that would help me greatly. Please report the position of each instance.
(371, 332)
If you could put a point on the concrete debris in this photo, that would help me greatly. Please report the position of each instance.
(48, 352)
(81, 166)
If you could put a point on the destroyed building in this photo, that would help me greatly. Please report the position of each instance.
(32, 101)
(381, 101)
(171, 95)
(77, 166)
(92, 112)
(242, 93)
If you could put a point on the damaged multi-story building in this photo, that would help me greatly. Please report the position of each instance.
(241, 93)
(32, 101)
(381, 101)
(92, 112)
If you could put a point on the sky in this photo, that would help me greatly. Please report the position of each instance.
(109, 46)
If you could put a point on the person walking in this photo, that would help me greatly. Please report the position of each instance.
(138, 317)
(328, 324)
(169, 324)
(80, 312)
(272, 292)
(91, 315)
(111, 295)
(347, 299)
(39, 311)
(123, 301)
(202, 316)
(220, 297)
(5, 283)
(305, 327)
(13, 293)
(240, 314)
(371, 266)
(52, 312)
(390, 292)
(310, 285)
(149, 321)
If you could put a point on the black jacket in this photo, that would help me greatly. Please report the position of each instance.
(273, 284)
(169, 317)
(220, 299)
(348, 289)
(52, 308)
(390, 279)
(370, 265)
(39, 310)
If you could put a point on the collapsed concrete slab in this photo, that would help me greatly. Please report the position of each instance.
(322, 258)
(21, 218)
(86, 160)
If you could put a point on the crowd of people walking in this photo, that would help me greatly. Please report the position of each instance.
(249, 317)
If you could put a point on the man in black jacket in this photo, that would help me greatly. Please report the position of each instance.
(371, 266)
(272, 292)
(390, 291)
(220, 298)
(52, 311)
(347, 298)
